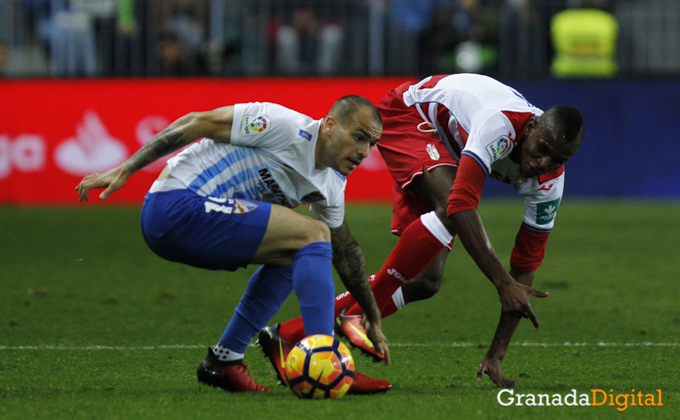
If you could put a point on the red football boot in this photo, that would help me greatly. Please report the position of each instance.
(363, 384)
(349, 326)
(229, 376)
(276, 349)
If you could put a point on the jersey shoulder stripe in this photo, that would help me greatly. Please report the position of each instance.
(342, 177)
(478, 160)
(518, 121)
(535, 229)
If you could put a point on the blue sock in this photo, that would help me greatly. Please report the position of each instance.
(267, 289)
(313, 285)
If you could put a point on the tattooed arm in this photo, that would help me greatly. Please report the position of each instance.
(215, 124)
(349, 262)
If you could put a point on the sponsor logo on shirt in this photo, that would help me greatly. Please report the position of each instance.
(499, 147)
(305, 134)
(274, 193)
(432, 151)
(545, 212)
(251, 125)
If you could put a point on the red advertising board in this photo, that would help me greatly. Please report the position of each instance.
(53, 132)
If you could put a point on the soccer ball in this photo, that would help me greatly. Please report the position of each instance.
(319, 366)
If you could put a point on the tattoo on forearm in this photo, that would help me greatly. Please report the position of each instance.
(163, 143)
(350, 263)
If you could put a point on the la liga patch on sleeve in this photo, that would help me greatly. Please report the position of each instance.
(545, 212)
(252, 125)
(499, 147)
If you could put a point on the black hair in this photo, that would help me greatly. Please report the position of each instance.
(568, 119)
(345, 108)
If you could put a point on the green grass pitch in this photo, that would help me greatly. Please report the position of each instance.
(94, 326)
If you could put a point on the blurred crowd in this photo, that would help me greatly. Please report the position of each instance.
(86, 38)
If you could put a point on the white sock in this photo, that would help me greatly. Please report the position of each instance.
(398, 298)
(437, 228)
(225, 355)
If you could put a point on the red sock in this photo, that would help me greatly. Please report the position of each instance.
(415, 250)
(345, 300)
(293, 330)
(383, 291)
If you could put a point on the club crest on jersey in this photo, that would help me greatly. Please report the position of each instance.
(545, 212)
(432, 151)
(243, 206)
(499, 147)
(251, 125)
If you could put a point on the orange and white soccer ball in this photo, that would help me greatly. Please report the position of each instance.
(319, 366)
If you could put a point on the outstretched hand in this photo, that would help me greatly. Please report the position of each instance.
(492, 367)
(375, 334)
(514, 298)
(112, 180)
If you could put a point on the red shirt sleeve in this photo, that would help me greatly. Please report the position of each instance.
(529, 250)
(467, 188)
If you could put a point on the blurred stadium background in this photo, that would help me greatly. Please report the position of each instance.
(85, 83)
(225, 38)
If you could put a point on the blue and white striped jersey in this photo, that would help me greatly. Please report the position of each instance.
(270, 158)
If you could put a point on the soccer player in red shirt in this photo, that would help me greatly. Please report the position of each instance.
(441, 138)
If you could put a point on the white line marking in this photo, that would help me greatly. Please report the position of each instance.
(462, 344)
(179, 346)
(527, 344)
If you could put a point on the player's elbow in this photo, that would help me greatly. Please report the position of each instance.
(462, 217)
(211, 124)
(198, 123)
(442, 215)
(189, 119)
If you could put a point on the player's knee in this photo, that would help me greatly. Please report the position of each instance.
(424, 286)
(316, 231)
(443, 217)
(427, 285)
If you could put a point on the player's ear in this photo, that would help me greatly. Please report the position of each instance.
(530, 125)
(329, 123)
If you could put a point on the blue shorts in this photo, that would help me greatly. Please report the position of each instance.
(206, 232)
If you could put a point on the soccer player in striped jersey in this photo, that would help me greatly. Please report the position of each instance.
(442, 136)
(225, 202)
